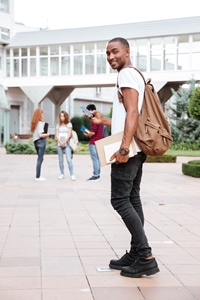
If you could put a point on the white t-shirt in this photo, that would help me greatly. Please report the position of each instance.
(63, 131)
(127, 77)
(39, 129)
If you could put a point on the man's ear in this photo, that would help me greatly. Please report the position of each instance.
(127, 51)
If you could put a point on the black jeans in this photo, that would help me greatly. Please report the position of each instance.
(40, 146)
(125, 199)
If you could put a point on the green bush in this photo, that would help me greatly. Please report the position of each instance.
(194, 104)
(162, 159)
(28, 148)
(19, 148)
(191, 168)
(185, 146)
(77, 122)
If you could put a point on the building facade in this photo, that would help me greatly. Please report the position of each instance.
(63, 69)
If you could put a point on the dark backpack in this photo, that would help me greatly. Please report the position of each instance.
(153, 134)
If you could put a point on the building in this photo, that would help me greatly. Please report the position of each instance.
(63, 69)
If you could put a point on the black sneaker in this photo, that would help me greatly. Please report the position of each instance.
(94, 178)
(125, 260)
(139, 268)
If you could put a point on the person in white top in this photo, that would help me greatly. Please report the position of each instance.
(39, 139)
(63, 135)
(126, 172)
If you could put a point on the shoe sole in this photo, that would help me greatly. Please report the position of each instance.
(116, 267)
(95, 180)
(137, 275)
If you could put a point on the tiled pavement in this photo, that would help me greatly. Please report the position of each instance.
(57, 237)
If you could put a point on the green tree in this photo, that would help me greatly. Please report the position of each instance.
(183, 126)
(194, 104)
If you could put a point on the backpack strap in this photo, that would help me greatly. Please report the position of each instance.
(148, 81)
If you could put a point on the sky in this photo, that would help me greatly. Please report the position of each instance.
(63, 14)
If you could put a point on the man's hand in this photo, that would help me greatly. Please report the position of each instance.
(99, 118)
(119, 159)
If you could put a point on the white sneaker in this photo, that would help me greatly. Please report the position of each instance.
(61, 176)
(40, 179)
(73, 178)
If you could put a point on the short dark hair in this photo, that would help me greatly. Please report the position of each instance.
(91, 107)
(121, 40)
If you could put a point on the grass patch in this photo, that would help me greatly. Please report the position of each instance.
(192, 153)
(161, 159)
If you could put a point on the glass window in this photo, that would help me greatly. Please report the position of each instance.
(54, 66)
(4, 6)
(89, 64)
(140, 53)
(65, 65)
(32, 51)
(89, 48)
(78, 48)
(4, 33)
(101, 47)
(54, 50)
(65, 49)
(8, 67)
(16, 52)
(78, 65)
(196, 42)
(196, 52)
(43, 66)
(32, 66)
(24, 51)
(16, 67)
(169, 53)
(43, 51)
(101, 63)
(24, 67)
(7, 52)
(183, 52)
(155, 54)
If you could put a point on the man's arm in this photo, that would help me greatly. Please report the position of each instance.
(100, 119)
(130, 97)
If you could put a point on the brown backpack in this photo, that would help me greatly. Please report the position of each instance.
(153, 134)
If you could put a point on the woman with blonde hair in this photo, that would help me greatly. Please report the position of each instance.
(39, 139)
(63, 135)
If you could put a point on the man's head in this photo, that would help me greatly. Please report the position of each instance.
(118, 53)
(91, 107)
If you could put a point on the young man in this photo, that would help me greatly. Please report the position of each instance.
(96, 133)
(126, 173)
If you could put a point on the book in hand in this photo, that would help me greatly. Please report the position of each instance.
(107, 146)
(46, 125)
(84, 129)
(110, 149)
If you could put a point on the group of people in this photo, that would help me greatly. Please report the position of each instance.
(126, 172)
(63, 136)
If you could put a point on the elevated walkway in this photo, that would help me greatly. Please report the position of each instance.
(58, 88)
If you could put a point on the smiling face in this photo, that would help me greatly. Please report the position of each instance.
(118, 55)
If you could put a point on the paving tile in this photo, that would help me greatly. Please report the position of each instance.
(63, 294)
(29, 294)
(166, 293)
(20, 283)
(116, 293)
(65, 282)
